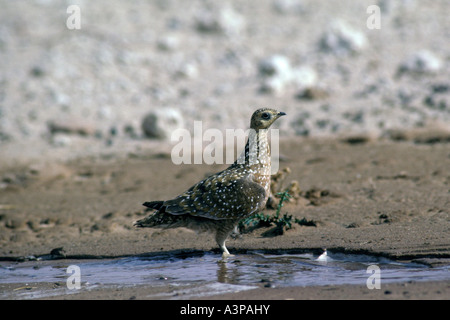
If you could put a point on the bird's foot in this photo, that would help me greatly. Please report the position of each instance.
(226, 255)
(225, 252)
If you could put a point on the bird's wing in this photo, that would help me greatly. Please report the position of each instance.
(221, 196)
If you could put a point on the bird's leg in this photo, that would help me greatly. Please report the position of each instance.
(221, 237)
(225, 252)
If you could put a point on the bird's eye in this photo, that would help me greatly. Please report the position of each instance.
(266, 116)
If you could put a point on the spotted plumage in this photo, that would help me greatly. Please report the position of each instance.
(217, 203)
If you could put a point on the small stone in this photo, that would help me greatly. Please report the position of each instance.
(130, 131)
(159, 124)
(71, 126)
(58, 252)
(276, 72)
(61, 140)
(273, 85)
(342, 39)
(37, 72)
(105, 112)
(168, 43)
(353, 225)
(440, 88)
(304, 77)
(421, 62)
(288, 6)
(14, 223)
(187, 70)
(312, 94)
(222, 21)
(276, 65)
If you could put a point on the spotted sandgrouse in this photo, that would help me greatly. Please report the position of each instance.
(217, 203)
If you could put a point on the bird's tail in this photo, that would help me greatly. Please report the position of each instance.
(157, 219)
(154, 204)
(147, 222)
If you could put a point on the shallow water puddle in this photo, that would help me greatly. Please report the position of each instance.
(201, 273)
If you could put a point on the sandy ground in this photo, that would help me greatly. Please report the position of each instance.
(381, 197)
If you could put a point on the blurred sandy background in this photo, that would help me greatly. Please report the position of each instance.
(86, 117)
(68, 93)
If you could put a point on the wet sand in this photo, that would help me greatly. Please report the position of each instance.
(380, 197)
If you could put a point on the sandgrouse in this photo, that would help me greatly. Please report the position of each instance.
(217, 203)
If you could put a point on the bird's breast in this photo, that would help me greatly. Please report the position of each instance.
(262, 177)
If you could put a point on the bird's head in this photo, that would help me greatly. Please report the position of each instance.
(263, 118)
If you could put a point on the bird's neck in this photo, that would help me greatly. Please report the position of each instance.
(257, 150)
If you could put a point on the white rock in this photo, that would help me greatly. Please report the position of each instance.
(61, 140)
(304, 77)
(60, 98)
(105, 112)
(277, 73)
(342, 39)
(187, 70)
(273, 85)
(223, 21)
(168, 43)
(276, 65)
(288, 6)
(160, 124)
(421, 62)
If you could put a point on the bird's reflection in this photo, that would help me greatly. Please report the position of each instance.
(228, 271)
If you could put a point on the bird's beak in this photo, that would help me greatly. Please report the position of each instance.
(279, 114)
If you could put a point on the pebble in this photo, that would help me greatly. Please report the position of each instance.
(273, 85)
(220, 21)
(160, 123)
(312, 94)
(304, 77)
(61, 140)
(71, 126)
(168, 43)
(341, 39)
(276, 65)
(288, 6)
(187, 70)
(422, 61)
(277, 73)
